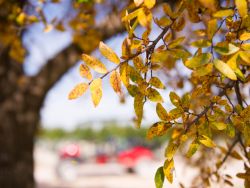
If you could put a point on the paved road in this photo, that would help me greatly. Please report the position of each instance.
(112, 175)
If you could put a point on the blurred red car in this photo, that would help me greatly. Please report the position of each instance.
(71, 151)
(130, 158)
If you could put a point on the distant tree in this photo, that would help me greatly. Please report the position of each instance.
(202, 44)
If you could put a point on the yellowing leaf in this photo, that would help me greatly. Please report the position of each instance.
(201, 43)
(206, 141)
(133, 90)
(161, 112)
(149, 3)
(115, 81)
(176, 42)
(175, 99)
(156, 82)
(225, 49)
(107, 52)
(245, 36)
(159, 177)
(199, 60)
(242, 7)
(78, 91)
(224, 69)
(96, 91)
(131, 15)
(85, 72)
(138, 2)
(211, 28)
(138, 63)
(144, 17)
(158, 129)
(210, 4)
(94, 63)
(219, 125)
(124, 74)
(138, 106)
(204, 70)
(154, 95)
(192, 148)
(171, 150)
(168, 169)
(223, 13)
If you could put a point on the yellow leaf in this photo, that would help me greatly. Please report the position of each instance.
(210, 4)
(124, 72)
(85, 72)
(168, 169)
(96, 91)
(158, 129)
(223, 13)
(161, 112)
(175, 99)
(138, 2)
(201, 43)
(211, 28)
(206, 141)
(242, 7)
(94, 63)
(115, 81)
(131, 15)
(245, 36)
(154, 95)
(149, 3)
(176, 42)
(144, 17)
(226, 49)
(138, 106)
(192, 148)
(138, 63)
(198, 61)
(171, 150)
(107, 52)
(156, 82)
(78, 91)
(224, 69)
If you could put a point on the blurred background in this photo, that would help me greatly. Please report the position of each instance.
(75, 144)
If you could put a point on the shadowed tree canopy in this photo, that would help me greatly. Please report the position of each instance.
(200, 52)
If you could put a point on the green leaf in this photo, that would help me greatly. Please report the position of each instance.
(159, 177)
(224, 69)
(199, 60)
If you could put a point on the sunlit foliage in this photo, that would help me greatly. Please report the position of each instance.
(216, 52)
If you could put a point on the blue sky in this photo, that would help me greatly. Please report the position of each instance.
(58, 111)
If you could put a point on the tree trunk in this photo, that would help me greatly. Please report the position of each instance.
(19, 116)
